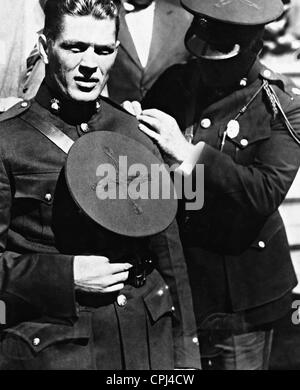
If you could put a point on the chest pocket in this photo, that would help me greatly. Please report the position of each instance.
(253, 131)
(32, 205)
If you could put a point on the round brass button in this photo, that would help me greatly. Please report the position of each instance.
(262, 244)
(24, 104)
(267, 73)
(243, 82)
(121, 300)
(205, 123)
(36, 341)
(48, 197)
(244, 142)
(160, 292)
(84, 127)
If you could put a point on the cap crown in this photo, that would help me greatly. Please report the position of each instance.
(242, 12)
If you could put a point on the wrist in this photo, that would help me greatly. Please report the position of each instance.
(185, 151)
(192, 156)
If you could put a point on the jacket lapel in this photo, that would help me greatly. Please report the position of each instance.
(161, 31)
(126, 41)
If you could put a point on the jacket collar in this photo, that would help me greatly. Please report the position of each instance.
(69, 111)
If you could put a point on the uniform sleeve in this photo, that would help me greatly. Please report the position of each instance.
(171, 265)
(261, 186)
(238, 198)
(32, 284)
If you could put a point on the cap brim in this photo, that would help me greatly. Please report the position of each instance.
(201, 49)
(244, 12)
(89, 186)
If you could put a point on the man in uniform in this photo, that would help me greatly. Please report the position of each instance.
(242, 121)
(67, 305)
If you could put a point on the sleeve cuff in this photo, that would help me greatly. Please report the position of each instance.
(47, 284)
(187, 166)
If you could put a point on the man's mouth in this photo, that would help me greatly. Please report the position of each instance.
(86, 83)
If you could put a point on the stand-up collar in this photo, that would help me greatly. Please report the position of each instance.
(70, 111)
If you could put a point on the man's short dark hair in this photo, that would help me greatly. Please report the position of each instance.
(55, 10)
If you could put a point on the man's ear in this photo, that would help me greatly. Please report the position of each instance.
(43, 48)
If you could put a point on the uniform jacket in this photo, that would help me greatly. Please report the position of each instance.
(49, 325)
(128, 79)
(236, 245)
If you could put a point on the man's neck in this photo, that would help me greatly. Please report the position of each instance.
(71, 111)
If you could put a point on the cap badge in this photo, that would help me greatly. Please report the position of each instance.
(222, 3)
(55, 105)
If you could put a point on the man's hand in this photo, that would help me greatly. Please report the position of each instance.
(133, 107)
(164, 129)
(96, 274)
(6, 103)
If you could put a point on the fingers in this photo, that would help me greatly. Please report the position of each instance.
(149, 120)
(152, 134)
(114, 288)
(137, 107)
(105, 284)
(133, 108)
(96, 289)
(128, 107)
(117, 278)
(99, 259)
(153, 112)
(119, 267)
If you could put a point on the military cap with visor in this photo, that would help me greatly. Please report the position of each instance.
(114, 198)
(222, 28)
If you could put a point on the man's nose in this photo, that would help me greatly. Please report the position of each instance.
(89, 59)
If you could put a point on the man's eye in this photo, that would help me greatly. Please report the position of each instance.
(104, 52)
(76, 49)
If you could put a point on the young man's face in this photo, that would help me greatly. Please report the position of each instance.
(81, 57)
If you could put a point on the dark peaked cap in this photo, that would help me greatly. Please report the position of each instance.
(129, 217)
(242, 12)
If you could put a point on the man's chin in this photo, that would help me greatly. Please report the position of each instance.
(85, 96)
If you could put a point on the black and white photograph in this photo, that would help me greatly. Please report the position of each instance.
(149, 188)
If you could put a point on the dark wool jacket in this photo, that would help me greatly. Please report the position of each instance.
(49, 325)
(236, 245)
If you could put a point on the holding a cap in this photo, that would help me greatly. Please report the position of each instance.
(227, 111)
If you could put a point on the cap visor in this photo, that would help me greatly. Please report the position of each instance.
(203, 49)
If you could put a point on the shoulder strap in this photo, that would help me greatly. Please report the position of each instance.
(55, 135)
(286, 121)
(15, 111)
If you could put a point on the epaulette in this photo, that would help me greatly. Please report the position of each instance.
(283, 82)
(15, 110)
(289, 88)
